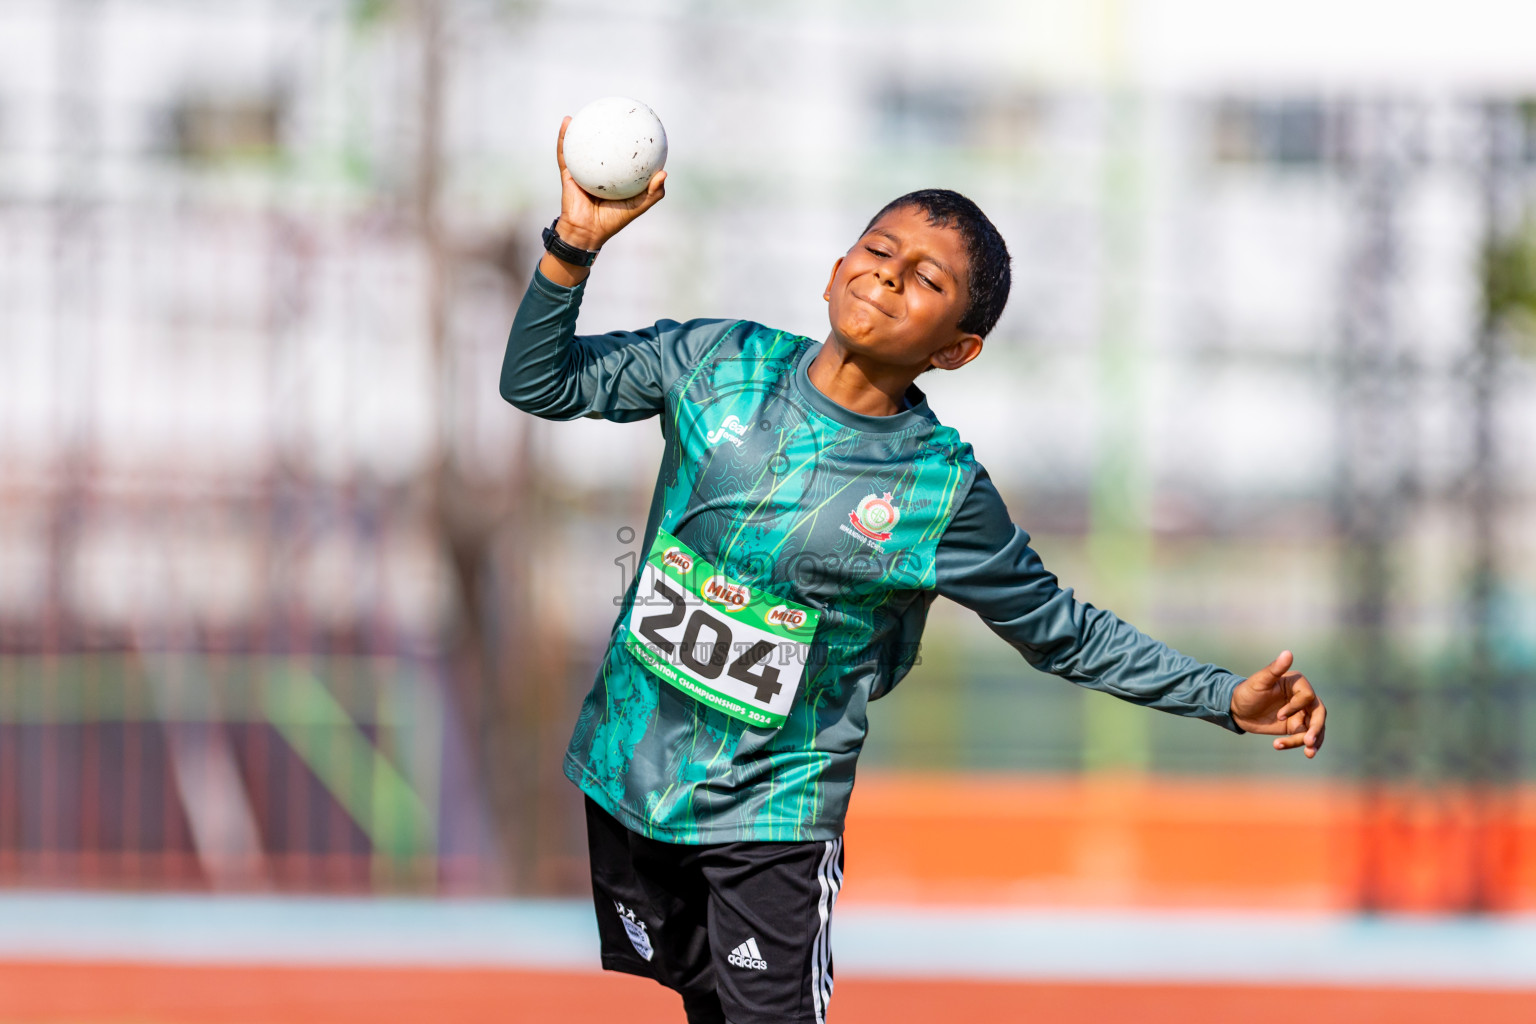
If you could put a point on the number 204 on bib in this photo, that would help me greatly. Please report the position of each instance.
(739, 650)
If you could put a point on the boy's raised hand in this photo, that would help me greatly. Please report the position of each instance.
(1276, 701)
(587, 222)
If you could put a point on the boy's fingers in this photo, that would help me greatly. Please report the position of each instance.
(1302, 698)
(560, 145)
(654, 193)
(1311, 728)
(1314, 737)
(1275, 669)
(1312, 740)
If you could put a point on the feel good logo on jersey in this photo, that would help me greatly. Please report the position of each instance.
(875, 517)
(731, 596)
(732, 430)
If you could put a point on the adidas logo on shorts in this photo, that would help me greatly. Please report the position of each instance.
(746, 955)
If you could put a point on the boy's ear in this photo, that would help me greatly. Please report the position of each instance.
(827, 295)
(957, 353)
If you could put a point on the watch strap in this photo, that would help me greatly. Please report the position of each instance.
(562, 250)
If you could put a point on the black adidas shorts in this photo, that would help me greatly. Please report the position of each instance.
(741, 930)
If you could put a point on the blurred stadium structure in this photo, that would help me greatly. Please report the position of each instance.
(289, 599)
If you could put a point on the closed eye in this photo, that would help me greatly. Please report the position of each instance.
(929, 283)
(877, 252)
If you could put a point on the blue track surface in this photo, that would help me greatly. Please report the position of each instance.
(1166, 946)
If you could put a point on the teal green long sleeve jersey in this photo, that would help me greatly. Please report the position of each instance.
(794, 548)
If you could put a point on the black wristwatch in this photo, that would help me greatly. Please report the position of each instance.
(560, 249)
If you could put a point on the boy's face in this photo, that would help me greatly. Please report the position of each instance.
(898, 294)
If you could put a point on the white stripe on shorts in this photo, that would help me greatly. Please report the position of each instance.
(829, 875)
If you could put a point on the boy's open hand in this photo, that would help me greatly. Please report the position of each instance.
(588, 222)
(1274, 701)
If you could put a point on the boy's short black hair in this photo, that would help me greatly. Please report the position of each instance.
(990, 274)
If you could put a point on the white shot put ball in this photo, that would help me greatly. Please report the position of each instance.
(613, 146)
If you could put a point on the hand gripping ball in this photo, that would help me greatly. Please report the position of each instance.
(613, 146)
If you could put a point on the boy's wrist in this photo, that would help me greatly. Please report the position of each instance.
(581, 238)
(569, 253)
(559, 272)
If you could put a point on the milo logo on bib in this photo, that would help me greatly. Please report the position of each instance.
(733, 597)
(739, 650)
(783, 615)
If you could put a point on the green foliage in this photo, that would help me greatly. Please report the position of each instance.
(366, 13)
(1509, 284)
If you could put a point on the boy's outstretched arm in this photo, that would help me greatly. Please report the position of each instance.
(985, 563)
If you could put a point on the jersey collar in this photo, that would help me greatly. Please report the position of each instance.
(916, 414)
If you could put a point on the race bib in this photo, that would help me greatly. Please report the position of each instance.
(739, 650)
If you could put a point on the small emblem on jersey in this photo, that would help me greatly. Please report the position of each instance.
(678, 558)
(635, 928)
(731, 430)
(733, 597)
(783, 615)
(747, 956)
(875, 517)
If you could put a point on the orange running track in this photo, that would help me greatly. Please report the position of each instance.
(119, 993)
(1158, 841)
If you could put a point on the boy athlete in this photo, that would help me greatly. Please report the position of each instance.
(808, 510)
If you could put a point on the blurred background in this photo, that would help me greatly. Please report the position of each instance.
(296, 612)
